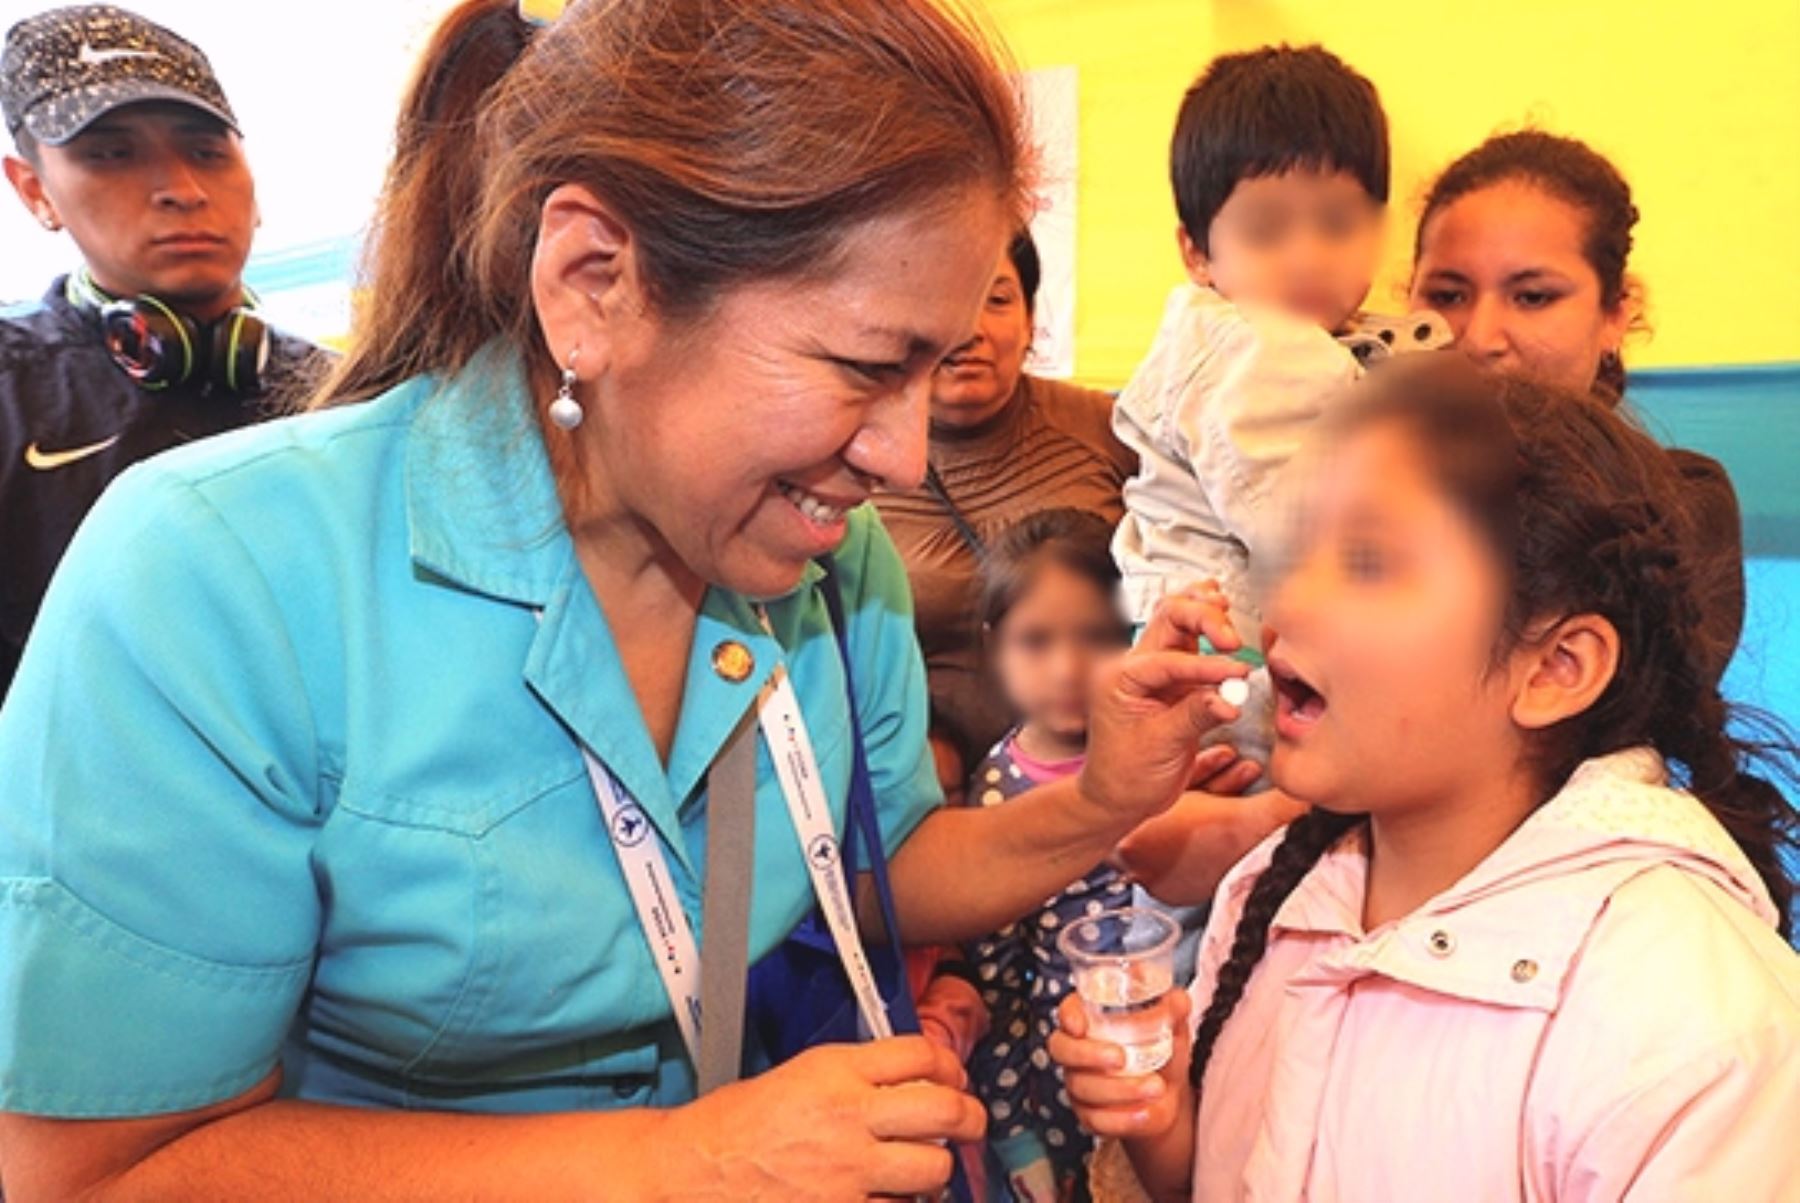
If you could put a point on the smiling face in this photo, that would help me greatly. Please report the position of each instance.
(158, 197)
(1506, 268)
(975, 381)
(1302, 241)
(737, 442)
(1385, 626)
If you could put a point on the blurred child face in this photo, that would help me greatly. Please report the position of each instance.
(1046, 648)
(1385, 624)
(1507, 269)
(1303, 241)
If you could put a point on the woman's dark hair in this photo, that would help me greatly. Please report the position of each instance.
(699, 122)
(1585, 515)
(1573, 172)
(1023, 253)
(1075, 539)
(1267, 111)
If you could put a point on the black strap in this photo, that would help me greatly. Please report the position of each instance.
(934, 484)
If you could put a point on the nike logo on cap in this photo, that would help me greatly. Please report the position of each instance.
(46, 461)
(93, 58)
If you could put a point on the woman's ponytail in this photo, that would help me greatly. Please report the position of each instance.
(414, 268)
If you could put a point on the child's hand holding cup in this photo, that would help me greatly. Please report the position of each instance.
(1123, 1038)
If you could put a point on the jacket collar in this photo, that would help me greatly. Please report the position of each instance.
(1616, 818)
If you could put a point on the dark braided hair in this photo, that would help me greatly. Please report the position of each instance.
(1575, 173)
(1584, 513)
(1305, 841)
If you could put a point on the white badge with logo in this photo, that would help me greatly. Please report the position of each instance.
(652, 888)
(653, 895)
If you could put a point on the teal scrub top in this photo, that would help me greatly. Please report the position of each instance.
(290, 773)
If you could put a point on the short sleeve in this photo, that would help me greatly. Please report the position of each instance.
(889, 676)
(158, 916)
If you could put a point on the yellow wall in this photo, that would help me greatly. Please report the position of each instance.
(1699, 105)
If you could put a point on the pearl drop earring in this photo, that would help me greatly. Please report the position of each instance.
(565, 410)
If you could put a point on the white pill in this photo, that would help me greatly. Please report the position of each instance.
(1235, 690)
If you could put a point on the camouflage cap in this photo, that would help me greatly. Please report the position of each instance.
(63, 68)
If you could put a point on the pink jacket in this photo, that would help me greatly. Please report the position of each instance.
(1601, 1010)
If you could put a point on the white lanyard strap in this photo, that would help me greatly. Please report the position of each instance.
(797, 769)
(652, 888)
(659, 911)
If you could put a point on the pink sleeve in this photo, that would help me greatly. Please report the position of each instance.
(1721, 1126)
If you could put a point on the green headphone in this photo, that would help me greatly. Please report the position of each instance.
(160, 348)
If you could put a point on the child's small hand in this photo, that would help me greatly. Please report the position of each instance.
(1107, 1102)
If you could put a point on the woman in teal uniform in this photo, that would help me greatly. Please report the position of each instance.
(354, 834)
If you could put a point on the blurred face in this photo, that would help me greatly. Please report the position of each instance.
(158, 197)
(1046, 648)
(1384, 627)
(975, 380)
(742, 440)
(1505, 268)
(1305, 242)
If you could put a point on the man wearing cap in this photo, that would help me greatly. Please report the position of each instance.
(125, 140)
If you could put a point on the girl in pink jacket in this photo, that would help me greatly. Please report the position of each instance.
(1528, 943)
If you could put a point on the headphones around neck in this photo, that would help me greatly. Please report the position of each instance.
(160, 348)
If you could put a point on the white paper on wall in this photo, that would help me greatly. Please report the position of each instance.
(1053, 98)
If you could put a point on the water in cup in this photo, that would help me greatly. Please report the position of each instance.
(1123, 962)
(1124, 1006)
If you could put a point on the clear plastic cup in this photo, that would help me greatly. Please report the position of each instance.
(1124, 962)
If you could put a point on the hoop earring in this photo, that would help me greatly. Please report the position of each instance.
(565, 410)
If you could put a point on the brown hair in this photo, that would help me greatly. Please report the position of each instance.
(738, 140)
(1575, 173)
(1079, 540)
(1584, 511)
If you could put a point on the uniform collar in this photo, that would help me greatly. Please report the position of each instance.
(483, 515)
(481, 505)
(482, 509)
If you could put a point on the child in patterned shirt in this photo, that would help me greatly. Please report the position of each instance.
(1049, 610)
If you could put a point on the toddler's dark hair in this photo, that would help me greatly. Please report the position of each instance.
(1263, 112)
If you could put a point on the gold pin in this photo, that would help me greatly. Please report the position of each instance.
(733, 661)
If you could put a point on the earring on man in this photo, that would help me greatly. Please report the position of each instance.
(565, 410)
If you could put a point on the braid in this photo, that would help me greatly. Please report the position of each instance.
(1306, 840)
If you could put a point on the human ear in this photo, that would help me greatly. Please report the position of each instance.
(1199, 270)
(29, 184)
(1614, 324)
(584, 279)
(1565, 671)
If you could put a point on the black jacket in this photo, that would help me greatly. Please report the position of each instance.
(71, 420)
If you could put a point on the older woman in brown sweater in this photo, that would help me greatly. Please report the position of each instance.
(1003, 445)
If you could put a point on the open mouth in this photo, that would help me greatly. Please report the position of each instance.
(1297, 703)
(812, 507)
